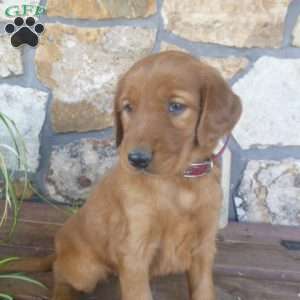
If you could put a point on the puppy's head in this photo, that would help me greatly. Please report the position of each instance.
(171, 108)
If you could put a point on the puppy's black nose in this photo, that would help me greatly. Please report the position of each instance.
(140, 159)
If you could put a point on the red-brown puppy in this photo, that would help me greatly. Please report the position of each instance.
(145, 218)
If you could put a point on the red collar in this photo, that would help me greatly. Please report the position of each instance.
(204, 167)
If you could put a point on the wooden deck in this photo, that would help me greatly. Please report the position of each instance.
(252, 263)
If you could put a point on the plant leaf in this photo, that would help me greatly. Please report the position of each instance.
(6, 297)
(7, 260)
(22, 277)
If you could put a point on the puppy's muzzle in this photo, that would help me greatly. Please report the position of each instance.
(139, 158)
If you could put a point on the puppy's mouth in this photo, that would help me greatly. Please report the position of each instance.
(137, 171)
(155, 167)
(146, 171)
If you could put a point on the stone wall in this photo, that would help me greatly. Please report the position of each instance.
(60, 94)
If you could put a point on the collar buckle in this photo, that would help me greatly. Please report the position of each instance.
(199, 169)
(203, 168)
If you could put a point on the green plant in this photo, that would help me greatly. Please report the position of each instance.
(12, 203)
(7, 190)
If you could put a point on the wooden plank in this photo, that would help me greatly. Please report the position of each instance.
(37, 225)
(42, 213)
(228, 288)
(172, 287)
(167, 288)
(259, 261)
(258, 233)
(254, 251)
(31, 234)
(21, 251)
(251, 289)
(251, 263)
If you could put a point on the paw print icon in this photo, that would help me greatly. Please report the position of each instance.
(24, 31)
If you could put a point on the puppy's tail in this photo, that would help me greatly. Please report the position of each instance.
(30, 264)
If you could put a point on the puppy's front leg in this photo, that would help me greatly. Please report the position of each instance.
(135, 282)
(200, 274)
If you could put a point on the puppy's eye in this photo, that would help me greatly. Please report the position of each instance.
(127, 108)
(176, 108)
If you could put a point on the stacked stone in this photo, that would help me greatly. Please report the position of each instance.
(61, 93)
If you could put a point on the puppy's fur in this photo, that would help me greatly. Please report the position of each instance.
(140, 224)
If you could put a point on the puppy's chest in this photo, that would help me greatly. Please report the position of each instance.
(179, 228)
(168, 219)
(180, 236)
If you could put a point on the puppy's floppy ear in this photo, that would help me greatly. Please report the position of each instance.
(117, 118)
(220, 109)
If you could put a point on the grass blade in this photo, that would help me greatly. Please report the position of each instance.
(5, 175)
(7, 260)
(22, 277)
(6, 297)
